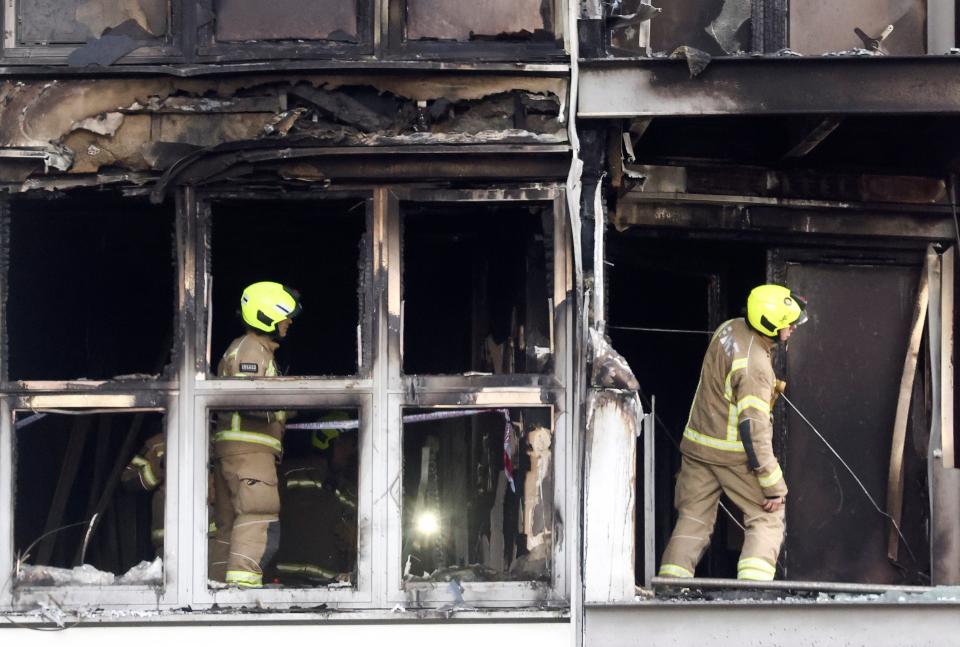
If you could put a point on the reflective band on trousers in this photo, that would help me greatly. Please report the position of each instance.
(244, 578)
(772, 479)
(248, 437)
(307, 569)
(754, 568)
(672, 570)
(710, 441)
(146, 472)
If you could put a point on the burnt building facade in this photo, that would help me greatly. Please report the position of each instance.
(513, 226)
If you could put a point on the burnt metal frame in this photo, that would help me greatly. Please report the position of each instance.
(78, 395)
(513, 391)
(203, 391)
(173, 49)
(396, 45)
(209, 49)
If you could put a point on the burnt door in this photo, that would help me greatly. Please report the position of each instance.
(843, 370)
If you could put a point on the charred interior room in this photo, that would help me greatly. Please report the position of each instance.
(97, 274)
(866, 239)
(76, 504)
(477, 494)
(318, 486)
(477, 287)
(319, 248)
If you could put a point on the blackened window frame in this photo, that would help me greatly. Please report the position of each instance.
(175, 47)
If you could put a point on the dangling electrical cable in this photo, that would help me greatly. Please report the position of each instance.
(853, 474)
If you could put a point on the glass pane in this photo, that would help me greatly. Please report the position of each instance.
(477, 494)
(817, 27)
(91, 288)
(77, 21)
(719, 27)
(72, 523)
(284, 487)
(314, 247)
(465, 20)
(476, 286)
(287, 20)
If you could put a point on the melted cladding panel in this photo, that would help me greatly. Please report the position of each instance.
(817, 27)
(239, 20)
(77, 21)
(462, 20)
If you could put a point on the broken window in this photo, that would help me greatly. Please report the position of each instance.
(89, 498)
(70, 22)
(718, 27)
(316, 247)
(477, 494)
(247, 20)
(467, 20)
(897, 27)
(91, 288)
(477, 286)
(315, 479)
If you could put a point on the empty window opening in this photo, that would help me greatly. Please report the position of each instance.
(69, 22)
(91, 288)
(285, 489)
(719, 27)
(477, 494)
(464, 20)
(477, 287)
(243, 20)
(821, 27)
(690, 287)
(89, 498)
(318, 248)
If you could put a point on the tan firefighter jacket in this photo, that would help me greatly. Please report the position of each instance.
(730, 420)
(146, 473)
(248, 432)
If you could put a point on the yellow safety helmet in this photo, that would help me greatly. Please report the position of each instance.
(322, 438)
(265, 304)
(771, 308)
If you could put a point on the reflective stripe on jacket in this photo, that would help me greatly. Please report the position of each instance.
(247, 432)
(737, 385)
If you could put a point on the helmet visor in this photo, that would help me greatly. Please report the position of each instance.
(802, 302)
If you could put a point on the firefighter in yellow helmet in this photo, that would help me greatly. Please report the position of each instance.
(248, 444)
(727, 444)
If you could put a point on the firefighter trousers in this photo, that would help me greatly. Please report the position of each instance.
(246, 510)
(696, 498)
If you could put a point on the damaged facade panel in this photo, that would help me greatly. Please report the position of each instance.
(66, 22)
(824, 27)
(249, 20)
(138, 125)
(467, 20)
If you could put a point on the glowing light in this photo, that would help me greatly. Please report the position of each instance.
(427, 523)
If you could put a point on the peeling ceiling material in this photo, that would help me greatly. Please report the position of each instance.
(149, 124)
(464, 20)
(818, 27)
(78, 21)
(240, 20)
